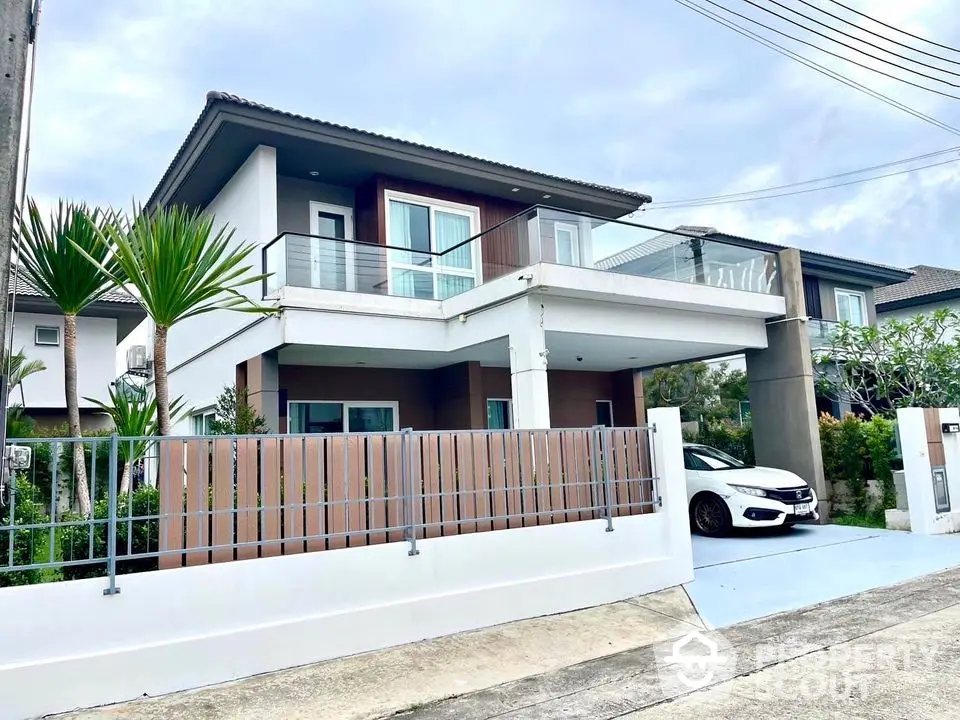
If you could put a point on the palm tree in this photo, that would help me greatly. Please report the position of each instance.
(134, 416)
(180, 268)
(19, 368)
(55, 259)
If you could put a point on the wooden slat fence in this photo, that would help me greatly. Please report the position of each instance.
(224, 499)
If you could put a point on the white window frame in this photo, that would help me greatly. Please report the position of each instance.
(202, 415)
(432, 205)
(509, 402)
(349, 251)
(36, 335)
(837, 292)
(347, 404)
(609, 404)
(574, 230)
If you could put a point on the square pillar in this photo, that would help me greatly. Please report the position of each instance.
(667, 449)
(629, 409)
(786, 431)
(263, 388)
(528, 373)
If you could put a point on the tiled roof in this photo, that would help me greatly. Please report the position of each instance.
(24, 288)
(926, 280)
(214, 97)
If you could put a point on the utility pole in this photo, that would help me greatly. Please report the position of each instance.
(17, 31)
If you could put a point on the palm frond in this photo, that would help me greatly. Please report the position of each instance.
(18, 368)
(56, 256)
(179, 266)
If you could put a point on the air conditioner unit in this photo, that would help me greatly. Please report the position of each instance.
(137, 357)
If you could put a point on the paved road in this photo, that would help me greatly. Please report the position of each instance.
(887, 653)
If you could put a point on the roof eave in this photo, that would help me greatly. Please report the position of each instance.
(220, 109)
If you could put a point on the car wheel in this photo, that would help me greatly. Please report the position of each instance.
(710, 516)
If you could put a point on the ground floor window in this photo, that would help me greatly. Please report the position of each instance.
(605, 413)
(201, 423)
(498, 414)
(334, 417)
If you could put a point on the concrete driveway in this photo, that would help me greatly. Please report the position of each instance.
(750, 576)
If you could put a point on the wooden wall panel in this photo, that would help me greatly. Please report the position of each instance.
(171, 484)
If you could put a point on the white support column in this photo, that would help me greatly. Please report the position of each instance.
(528, 372)
(667, 448)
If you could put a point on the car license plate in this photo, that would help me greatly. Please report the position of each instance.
(801, 509)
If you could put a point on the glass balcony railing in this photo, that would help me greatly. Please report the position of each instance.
(537, 235)
(821, 331)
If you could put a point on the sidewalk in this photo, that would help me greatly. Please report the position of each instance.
(887, 653)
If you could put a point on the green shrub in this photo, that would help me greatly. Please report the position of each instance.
(856, 450)
(879, 435)
(74, 540)
(30, 546)
(733, 439)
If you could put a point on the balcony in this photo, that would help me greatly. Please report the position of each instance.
(539, 235)
(821, 332)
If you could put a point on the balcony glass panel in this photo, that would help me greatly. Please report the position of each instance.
(460, 262)
(614, 246)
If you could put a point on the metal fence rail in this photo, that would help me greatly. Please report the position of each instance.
(199, 500)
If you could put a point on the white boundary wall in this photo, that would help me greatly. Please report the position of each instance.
(918, 478)
(65, 646)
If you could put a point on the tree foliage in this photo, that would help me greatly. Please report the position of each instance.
(701, 392)
(235, 416)
(899, 363)
(180, 267)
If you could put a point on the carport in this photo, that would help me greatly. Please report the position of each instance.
(750, 576)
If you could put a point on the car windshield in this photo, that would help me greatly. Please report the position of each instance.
(715, 459)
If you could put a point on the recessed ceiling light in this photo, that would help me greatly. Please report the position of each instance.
(360, 362)
(314, 173)
(514, 189)
(547, 196)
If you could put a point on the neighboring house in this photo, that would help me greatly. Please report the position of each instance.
(38, 329)
(929, 289)
(834, 289)
(428, 289)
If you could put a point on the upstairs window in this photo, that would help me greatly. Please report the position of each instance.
(47, 335)
(425, 227)
(851, 307)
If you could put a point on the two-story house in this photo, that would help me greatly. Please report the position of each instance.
(425, 288)
(38, 330)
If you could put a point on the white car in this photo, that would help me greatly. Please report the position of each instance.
(724, 492)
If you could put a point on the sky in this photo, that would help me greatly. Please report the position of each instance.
(640, 94)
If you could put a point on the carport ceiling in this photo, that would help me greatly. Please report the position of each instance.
(604, 353)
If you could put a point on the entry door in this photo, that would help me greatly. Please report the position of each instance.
(567, 239)
(332, 263)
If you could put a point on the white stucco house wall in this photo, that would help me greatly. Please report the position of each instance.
(38, 331)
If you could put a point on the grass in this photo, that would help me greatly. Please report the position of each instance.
(874, 518)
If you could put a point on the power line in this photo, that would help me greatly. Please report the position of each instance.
(887, 25)
(803, 192)
(893, 163)
(813, 65)
(854, 37)
(836, 55)
(876, 34)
